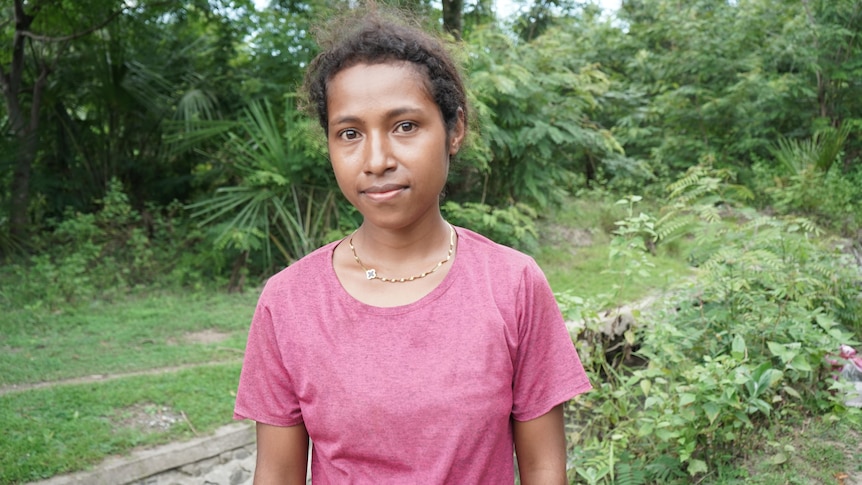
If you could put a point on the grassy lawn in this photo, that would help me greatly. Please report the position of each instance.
(589, 273)
(66, 428)
(800, 451)
(70, 427)
(144, 332)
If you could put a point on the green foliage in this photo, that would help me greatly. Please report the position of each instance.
(105, 254)
(513, 226)
(697, 197)
(279, 196)
(818, 153)
(111, 96)
(722, 80)
(582, 252)
(534, 101)
(806, 170)
(278, 47)
(724, 354)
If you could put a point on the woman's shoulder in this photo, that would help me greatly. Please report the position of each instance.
(485, 248)
(507, 273)
(311, 267)
(484, 252)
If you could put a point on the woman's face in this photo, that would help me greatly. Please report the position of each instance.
(388, 144)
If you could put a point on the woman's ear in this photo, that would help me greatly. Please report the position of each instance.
(456, 137)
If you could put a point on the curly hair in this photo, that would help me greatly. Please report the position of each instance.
(377, 37)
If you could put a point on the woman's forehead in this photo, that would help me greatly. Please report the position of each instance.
(365, 82)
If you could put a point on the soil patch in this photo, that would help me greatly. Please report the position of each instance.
(208, 336)
(562, 235)
(147, 417)
(10, 350)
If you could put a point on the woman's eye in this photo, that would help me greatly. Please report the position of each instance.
(406, 126)
(349, 134)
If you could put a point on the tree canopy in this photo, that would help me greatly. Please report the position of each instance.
(568, 96)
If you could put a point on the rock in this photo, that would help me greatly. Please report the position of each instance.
(239, 476)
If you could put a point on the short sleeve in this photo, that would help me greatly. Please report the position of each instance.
(547, 369)
(266, 393)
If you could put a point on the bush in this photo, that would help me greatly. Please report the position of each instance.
(804, 172)
(109, 252)
(513, 226)
(744, 342)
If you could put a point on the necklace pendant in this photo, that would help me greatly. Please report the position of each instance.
(371, 274)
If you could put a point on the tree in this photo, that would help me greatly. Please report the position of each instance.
(24, 77)
(835, 31)
(91, 87)
(722, 80)
(535, 102)
(453, 11)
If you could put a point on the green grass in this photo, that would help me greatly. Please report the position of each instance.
(68, 428)
(575, 248)
(589, 273)
(797, 450)
(136, 334)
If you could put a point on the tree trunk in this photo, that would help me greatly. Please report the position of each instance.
(28, 142)
(19, 216)
(23, 127)
(452, 17)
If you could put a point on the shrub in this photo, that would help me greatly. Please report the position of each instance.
(804, 172)
(742, 342)
(109, 252)
(512, 226)
(278, 203)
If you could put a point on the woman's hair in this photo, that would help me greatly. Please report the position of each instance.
(375, 37)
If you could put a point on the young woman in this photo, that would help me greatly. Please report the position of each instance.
(412, 352)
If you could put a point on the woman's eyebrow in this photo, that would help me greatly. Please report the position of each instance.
(345, 120)
(396, 112)
(393, 113)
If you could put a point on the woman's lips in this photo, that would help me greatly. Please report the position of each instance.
(381, 193)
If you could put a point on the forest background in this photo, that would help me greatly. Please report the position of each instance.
(156, 146)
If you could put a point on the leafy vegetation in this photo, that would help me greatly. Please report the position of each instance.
(724, 355)
(283, 197)
(705, 154)
(108, 253)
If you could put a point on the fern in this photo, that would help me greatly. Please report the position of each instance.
(626, 474)
(673, 225)
(697, 199)
(594, 469)
(664, 469)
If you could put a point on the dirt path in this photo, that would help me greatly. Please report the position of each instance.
(108, 377)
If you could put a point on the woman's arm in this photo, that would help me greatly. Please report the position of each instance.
(540, 445)
(282, 455)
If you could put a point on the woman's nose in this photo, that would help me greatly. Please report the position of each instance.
(378, 154)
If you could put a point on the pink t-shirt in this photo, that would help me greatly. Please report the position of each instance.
(419, 393)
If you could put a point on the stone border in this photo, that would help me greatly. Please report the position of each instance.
(145, 463)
